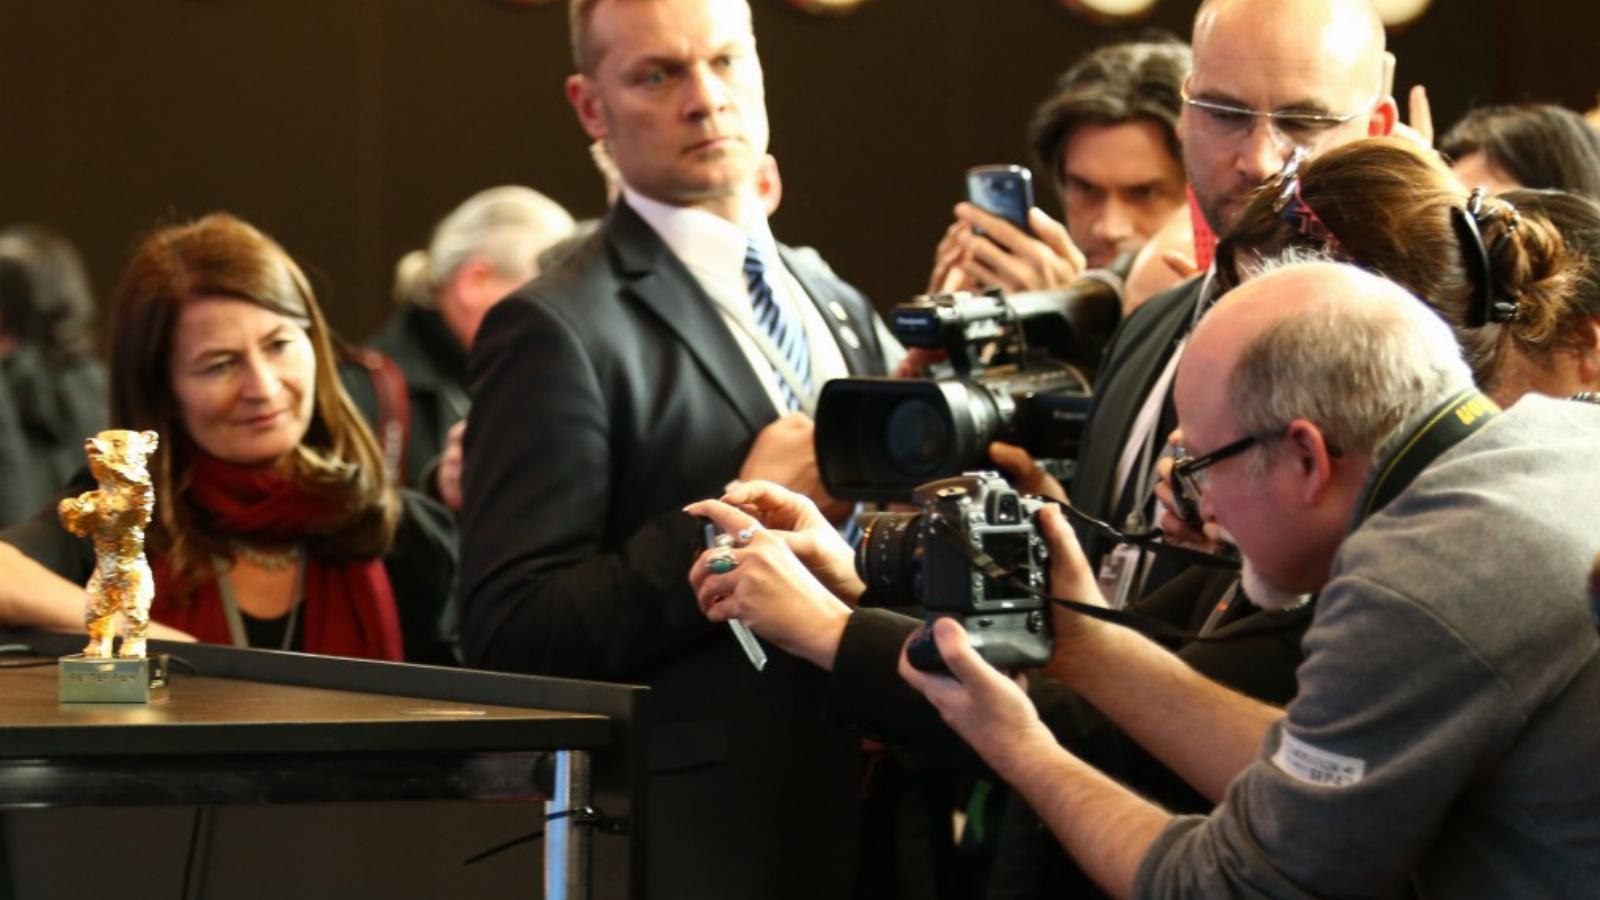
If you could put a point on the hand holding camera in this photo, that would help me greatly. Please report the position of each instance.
(989, 710)
(1024, 472)
(973, 552)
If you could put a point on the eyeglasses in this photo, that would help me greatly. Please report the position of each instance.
(1289, 128)
(1188, 470)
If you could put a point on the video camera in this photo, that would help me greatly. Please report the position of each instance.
(929, 558)
(1018, 370)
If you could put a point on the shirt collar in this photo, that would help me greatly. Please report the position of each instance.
(705, 241)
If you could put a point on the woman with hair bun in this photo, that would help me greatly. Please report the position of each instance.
(275, 525)
(1503, 277)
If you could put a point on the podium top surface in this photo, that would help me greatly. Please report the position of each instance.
(209, 715)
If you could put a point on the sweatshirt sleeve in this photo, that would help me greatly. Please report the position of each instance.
(1352, 787)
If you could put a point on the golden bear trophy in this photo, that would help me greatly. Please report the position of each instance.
(115, 518)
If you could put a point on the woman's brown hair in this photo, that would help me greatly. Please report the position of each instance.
(221, 256)
(1386, 206)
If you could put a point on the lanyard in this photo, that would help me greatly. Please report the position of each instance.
(780, 365)
(1449, 424)
(230, 605)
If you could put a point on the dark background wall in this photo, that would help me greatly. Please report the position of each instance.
(347, 127)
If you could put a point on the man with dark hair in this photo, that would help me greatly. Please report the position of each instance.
(1107, 141)
(1101, 140)
(677, 348)
(1532, 145)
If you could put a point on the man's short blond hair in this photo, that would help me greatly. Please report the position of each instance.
(579, 14)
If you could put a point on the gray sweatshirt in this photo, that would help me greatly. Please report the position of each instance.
(1446, 733)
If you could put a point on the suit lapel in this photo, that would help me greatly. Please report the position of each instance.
(653, 276)
(853, 335)
(1095, 486)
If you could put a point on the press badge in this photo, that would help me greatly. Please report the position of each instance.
(1313, 765)
(1120, 572)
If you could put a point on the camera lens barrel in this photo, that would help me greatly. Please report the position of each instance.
(889, 557)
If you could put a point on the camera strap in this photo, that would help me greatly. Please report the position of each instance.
(1449, 424)
(1150, 626)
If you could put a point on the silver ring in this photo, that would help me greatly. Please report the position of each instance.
(722, 563)
(745, 535)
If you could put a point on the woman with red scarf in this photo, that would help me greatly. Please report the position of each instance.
(275, 526)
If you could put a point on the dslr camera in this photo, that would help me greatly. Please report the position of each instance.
(1018, 370)
(927, 558)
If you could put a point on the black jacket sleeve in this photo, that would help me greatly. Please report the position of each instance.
(422, 571)
(543, 589)
(47, 542)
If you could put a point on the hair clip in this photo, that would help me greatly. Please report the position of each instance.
(1292, 208)
(1485, 308)
(1304, 220)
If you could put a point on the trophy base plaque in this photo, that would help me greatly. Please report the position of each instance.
(85, 680)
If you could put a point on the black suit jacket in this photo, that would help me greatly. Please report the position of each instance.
(435, 368)
(1139, 351)
(606, 395)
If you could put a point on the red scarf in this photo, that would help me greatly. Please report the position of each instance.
(348, 607)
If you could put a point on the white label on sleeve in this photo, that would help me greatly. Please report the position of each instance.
(1316, 766)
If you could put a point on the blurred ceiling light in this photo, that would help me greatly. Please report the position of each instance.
(1110, 10)
(829, 7)
(1398, 13)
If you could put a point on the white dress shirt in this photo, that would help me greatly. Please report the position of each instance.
(713, 250)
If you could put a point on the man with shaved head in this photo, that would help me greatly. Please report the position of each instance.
(1443, 739)
(1269, 76)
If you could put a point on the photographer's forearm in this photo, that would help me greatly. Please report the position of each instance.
(1199, 729)
(32, 596)
(1106, 828)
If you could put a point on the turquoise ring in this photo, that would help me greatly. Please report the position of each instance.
(722, 564)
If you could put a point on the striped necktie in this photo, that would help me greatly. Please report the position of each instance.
(783, 329)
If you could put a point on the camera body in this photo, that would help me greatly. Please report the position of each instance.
(925, 558)
(1013, 374)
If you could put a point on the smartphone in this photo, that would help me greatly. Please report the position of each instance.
(1006, 191)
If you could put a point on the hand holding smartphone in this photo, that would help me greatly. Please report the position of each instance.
(1005, 191)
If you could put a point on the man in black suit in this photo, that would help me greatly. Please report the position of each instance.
(630, 380)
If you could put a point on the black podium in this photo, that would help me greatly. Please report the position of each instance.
(312, 736)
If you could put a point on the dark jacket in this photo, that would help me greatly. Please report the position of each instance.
(605, 396)
(435, 367)
(1139, 352)
(56, 406)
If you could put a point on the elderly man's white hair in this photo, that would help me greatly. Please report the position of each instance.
(1359, 366)
(507, 226)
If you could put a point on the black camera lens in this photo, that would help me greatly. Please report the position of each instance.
(915, 437)
(889, 557)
